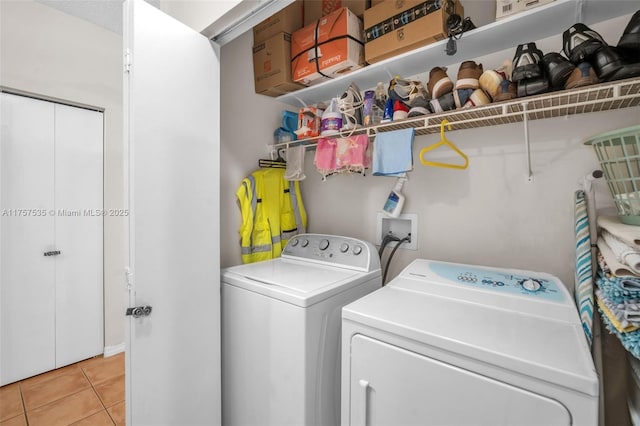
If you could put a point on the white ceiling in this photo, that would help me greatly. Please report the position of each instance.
(104, 13)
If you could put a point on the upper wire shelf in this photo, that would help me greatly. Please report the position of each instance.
(598, 97)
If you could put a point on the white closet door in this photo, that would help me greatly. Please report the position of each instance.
(79, 219)
(172, 99)
(27, 297)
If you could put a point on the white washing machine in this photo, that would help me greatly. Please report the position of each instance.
(450, 344)
(281, 330)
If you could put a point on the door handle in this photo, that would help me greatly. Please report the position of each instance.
(52, 253)
(364, 390)
(139, 311)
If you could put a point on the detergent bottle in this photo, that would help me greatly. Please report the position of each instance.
(331, 122)
(395, 200)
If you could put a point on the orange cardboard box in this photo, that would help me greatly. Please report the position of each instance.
(394, 27)
(316, 9)
(288, 20)
(272, 66)
(329, 48)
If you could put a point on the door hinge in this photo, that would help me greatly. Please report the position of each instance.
(139, 311)
(128, 278)
(127, 60)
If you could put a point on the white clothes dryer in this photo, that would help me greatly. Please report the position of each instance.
(281, 322)
(451, 344)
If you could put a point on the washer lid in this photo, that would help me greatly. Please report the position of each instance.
(483, 324)
(297, 282)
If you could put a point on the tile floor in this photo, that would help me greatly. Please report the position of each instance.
(88, 393)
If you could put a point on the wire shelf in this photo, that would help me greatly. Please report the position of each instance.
(599, 97)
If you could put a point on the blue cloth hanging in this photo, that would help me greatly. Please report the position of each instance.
(393, 153)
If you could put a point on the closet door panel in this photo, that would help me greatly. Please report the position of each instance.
(27, 287)
(79, 236)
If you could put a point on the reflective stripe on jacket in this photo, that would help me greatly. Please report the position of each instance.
(272, 212)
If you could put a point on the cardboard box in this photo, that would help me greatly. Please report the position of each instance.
(395, 27)
(272, 66)
(316, 9)
(288, 20)
(334, 49)
(375, 2)
(309, 118)
(506, 8)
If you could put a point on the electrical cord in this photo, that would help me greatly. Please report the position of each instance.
(385, 241)
(386, 268)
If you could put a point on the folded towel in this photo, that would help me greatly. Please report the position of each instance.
(631, 312)
(630, 234)
(611, 287)
(627, 282)
(352, 154)
(295, 163)
(325, 158)
(616, 267)
(622, 319)
(622, 251)
(393, 153)
(630, 340)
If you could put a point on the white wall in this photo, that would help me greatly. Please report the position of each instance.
(50, 53)
(197, 14)
(488, 214)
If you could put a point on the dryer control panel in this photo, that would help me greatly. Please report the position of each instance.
(334, 250)
(511, 282)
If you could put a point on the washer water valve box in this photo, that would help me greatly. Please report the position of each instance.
(328, 48)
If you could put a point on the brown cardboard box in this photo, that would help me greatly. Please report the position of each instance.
(316, 9)
(272, 66)
(375, 2)
(403, 25)
(288, 20)
(506, 8)
(335, 49)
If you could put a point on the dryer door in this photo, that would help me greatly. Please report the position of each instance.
(392, 386)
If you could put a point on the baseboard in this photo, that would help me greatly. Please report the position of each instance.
(113, 350)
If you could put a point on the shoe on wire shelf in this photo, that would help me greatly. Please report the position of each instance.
(350, 104)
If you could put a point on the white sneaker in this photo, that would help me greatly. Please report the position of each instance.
(350, 104)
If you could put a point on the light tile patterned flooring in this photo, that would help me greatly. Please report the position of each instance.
(88, 393)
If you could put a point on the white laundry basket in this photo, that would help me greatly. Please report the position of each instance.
(619, 154)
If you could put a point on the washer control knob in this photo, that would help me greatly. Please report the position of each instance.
(531, 284)
(357, 250)
(294, 242)
(305, 242)
(324, 244)
(344, 247)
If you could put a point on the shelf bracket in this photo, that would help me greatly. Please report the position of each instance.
(303, 103)
(616, 91)
(527, 147)
(579, 10)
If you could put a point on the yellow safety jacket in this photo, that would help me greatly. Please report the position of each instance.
(272, 212)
